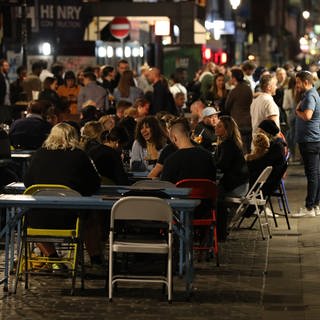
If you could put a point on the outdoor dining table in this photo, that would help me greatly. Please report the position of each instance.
(99, 202)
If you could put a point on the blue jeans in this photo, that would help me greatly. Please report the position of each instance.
(310, 153)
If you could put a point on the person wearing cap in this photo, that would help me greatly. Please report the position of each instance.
(308, 139)
(206, 128)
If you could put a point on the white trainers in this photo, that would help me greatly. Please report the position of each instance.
(317, 210)
(270, 215)
(304, 212)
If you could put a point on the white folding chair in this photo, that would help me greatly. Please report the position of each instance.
(150, 209)
(255, 198)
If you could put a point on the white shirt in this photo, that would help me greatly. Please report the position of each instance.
(178, 87)
(262, 107)
(45, 74)
(250, 81)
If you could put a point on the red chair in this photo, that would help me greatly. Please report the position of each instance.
(204, 189)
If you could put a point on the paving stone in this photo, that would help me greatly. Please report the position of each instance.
(273, 279)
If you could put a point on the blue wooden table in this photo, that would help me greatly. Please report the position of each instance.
(12, 201)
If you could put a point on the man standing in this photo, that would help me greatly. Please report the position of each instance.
(248, 68)
(161, 99)
(91, 92)
(308, 138)
(238, 106)
(263, 106)
(122, 66)
(32, 84)
(5, 111)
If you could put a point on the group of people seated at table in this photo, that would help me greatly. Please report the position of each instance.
(163, 146)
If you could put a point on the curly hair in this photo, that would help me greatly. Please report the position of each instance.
(158, 136)
(261, 144)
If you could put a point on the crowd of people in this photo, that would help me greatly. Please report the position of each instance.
(227, 125)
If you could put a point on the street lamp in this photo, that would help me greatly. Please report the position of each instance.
(235, 4)
(306, 14)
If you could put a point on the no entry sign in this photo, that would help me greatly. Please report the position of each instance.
(120, 27)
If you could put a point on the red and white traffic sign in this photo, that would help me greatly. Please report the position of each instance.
(120, 27)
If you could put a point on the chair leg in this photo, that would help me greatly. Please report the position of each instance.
(284, 192)
(240, 222)
(285, 204)
(26, 263)
(273, 213)
(169, 272)
(18, 268)
(267, 222)
(285, 210)
(253, 222)
(216, 245)
(110, 270)
(82, 263)
(74, 267)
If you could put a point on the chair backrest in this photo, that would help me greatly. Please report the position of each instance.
(51, 190)
(201, 188)
(154, 183)
(141, 208)
(256, 187)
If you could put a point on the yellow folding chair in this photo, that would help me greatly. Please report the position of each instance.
(69, 240)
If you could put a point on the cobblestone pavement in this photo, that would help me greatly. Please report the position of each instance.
(257, 279)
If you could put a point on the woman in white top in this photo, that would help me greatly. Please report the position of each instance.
(150, 139)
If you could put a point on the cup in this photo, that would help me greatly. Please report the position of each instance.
(35, 95)
(198, 139)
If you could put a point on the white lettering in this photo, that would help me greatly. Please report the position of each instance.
(46, 23)
(61, 12)
(68, 24)
(77, 11)
(46, 11)
(68, 12)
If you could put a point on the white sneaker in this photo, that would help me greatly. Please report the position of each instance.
(270, 215)
(304, 212)
(317, 210)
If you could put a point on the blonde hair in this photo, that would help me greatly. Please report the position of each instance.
(91, 131)
(62, 136)
(261, 144)
(131, 112)
(108, 121)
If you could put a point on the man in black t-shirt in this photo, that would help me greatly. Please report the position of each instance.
(188, 161)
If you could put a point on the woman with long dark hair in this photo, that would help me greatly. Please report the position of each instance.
(150, 139)
(126, 89)
(232, 165)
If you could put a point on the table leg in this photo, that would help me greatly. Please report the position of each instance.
(12, 242)
(188, 252)
(6, 259)
(181, 244)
